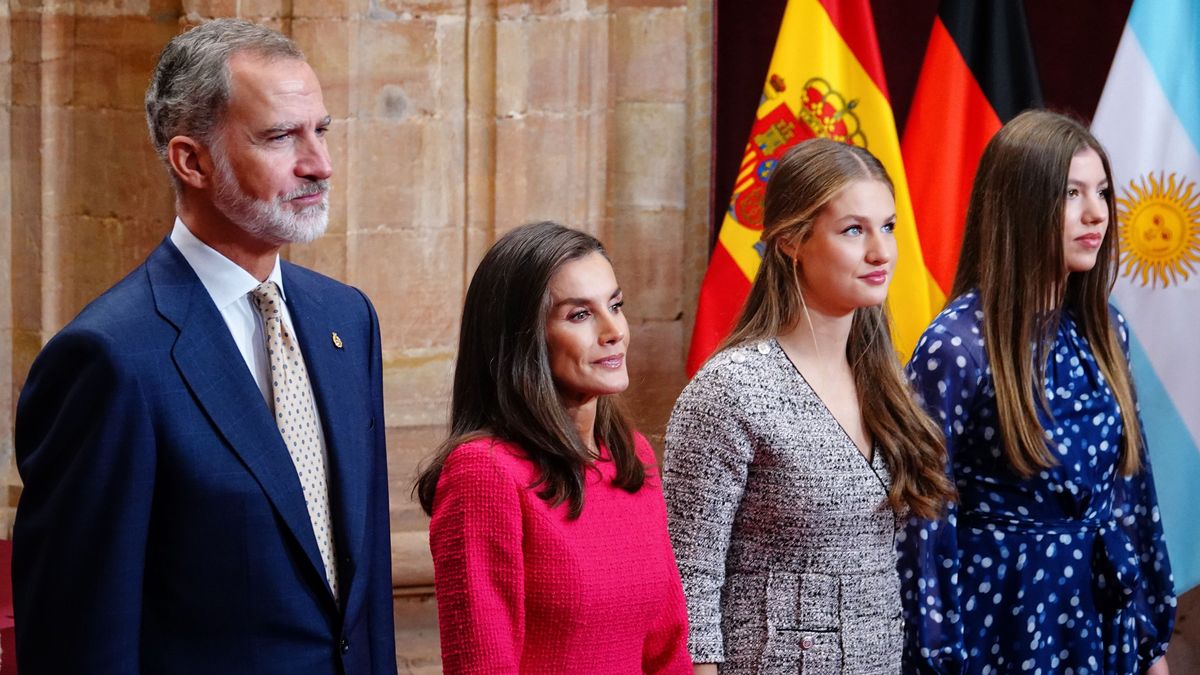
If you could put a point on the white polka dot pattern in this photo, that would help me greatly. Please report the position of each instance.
(296, 417)
(1061, 572)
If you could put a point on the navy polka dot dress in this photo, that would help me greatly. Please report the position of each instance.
(1064, 572)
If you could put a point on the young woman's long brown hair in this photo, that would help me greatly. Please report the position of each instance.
(1012, 253)
(502, 381)
(806, 179)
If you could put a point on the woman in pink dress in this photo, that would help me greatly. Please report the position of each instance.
(549, 533)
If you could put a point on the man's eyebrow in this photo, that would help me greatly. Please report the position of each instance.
(289, 126)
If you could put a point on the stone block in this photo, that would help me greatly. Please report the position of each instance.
(417, 382)
(551, 167)
(113, 60)
(257, 10)
(25, 35)
(656, 375)
(196, 10)
(77, 275)
(648, 157)
(326, 255)
(650, 49)
(109, 168)
(405, 174)
(328, 45)
(57, 35)
(112, 8)
(412, 564)
(418, 648)
(330, 9)
(399, 76)
(26, 84)
(6, 47)
(621, 4)
(409, 447)
(557, 64)
(521, 9)
(646, 248)
(402, 9)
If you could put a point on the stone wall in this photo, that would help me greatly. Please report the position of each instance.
(454, 121)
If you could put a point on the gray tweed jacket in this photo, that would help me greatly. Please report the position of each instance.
(781, 528)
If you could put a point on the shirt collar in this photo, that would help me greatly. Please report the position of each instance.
(224, 280)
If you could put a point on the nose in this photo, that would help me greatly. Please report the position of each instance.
(1095, 210)
(612, 329)
(313, 160)
(880, 248)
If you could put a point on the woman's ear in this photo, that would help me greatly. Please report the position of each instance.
(191, 161)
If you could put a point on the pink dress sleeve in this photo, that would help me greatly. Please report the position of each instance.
(479, 577)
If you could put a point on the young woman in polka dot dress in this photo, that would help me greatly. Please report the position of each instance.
(1054, 560)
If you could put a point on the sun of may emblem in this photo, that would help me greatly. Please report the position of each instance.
(1160, 230)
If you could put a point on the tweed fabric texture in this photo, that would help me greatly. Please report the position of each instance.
(522, 589)
(781, 528)
(296, 417)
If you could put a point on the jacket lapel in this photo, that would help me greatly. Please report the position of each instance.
(343, 403)
(210, 364)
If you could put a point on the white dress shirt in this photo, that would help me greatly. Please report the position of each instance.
(230, 286)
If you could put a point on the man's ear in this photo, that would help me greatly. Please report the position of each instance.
(191, 161)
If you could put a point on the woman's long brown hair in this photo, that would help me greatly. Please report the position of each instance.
(503, 386)
(806, 179)
(1012, 253)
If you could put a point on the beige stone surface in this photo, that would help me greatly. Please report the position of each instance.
(652, 66)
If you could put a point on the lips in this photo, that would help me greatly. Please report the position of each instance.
(1090, 240)
(611, 362)
(875, 278)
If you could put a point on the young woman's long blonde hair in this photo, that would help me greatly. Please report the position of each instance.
(806, 179)
(1012, 252)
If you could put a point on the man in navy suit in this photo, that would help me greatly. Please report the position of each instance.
(203, 446)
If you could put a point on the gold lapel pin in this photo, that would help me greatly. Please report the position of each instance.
(337, 341)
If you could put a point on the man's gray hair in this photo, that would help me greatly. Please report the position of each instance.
(190, 85)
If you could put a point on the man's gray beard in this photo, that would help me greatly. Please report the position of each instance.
(270, 220)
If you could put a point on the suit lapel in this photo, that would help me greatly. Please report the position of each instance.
(210, 364)
(343, 402)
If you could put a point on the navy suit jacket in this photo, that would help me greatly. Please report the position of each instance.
(162, 528)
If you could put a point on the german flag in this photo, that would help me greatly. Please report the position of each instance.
(825, 80)
(979, 72)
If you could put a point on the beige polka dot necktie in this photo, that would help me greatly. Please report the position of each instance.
(296, 417)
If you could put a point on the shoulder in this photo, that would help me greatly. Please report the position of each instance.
(484, 463)
(737, 373)
(954, 334)
(121, 312)
(331, 291)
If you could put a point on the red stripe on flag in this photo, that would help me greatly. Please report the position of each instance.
(856, 24)
(949, 124)
(721, 297)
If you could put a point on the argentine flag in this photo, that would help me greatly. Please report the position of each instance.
(1149, 121)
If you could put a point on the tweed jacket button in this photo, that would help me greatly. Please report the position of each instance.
(764, 348)
(737, 358)
(806, 642)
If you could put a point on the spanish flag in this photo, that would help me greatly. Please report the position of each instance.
(826, 80)
(978, 73)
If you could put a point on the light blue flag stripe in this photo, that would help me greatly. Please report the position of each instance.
(1175, 460)
(1169, 34)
